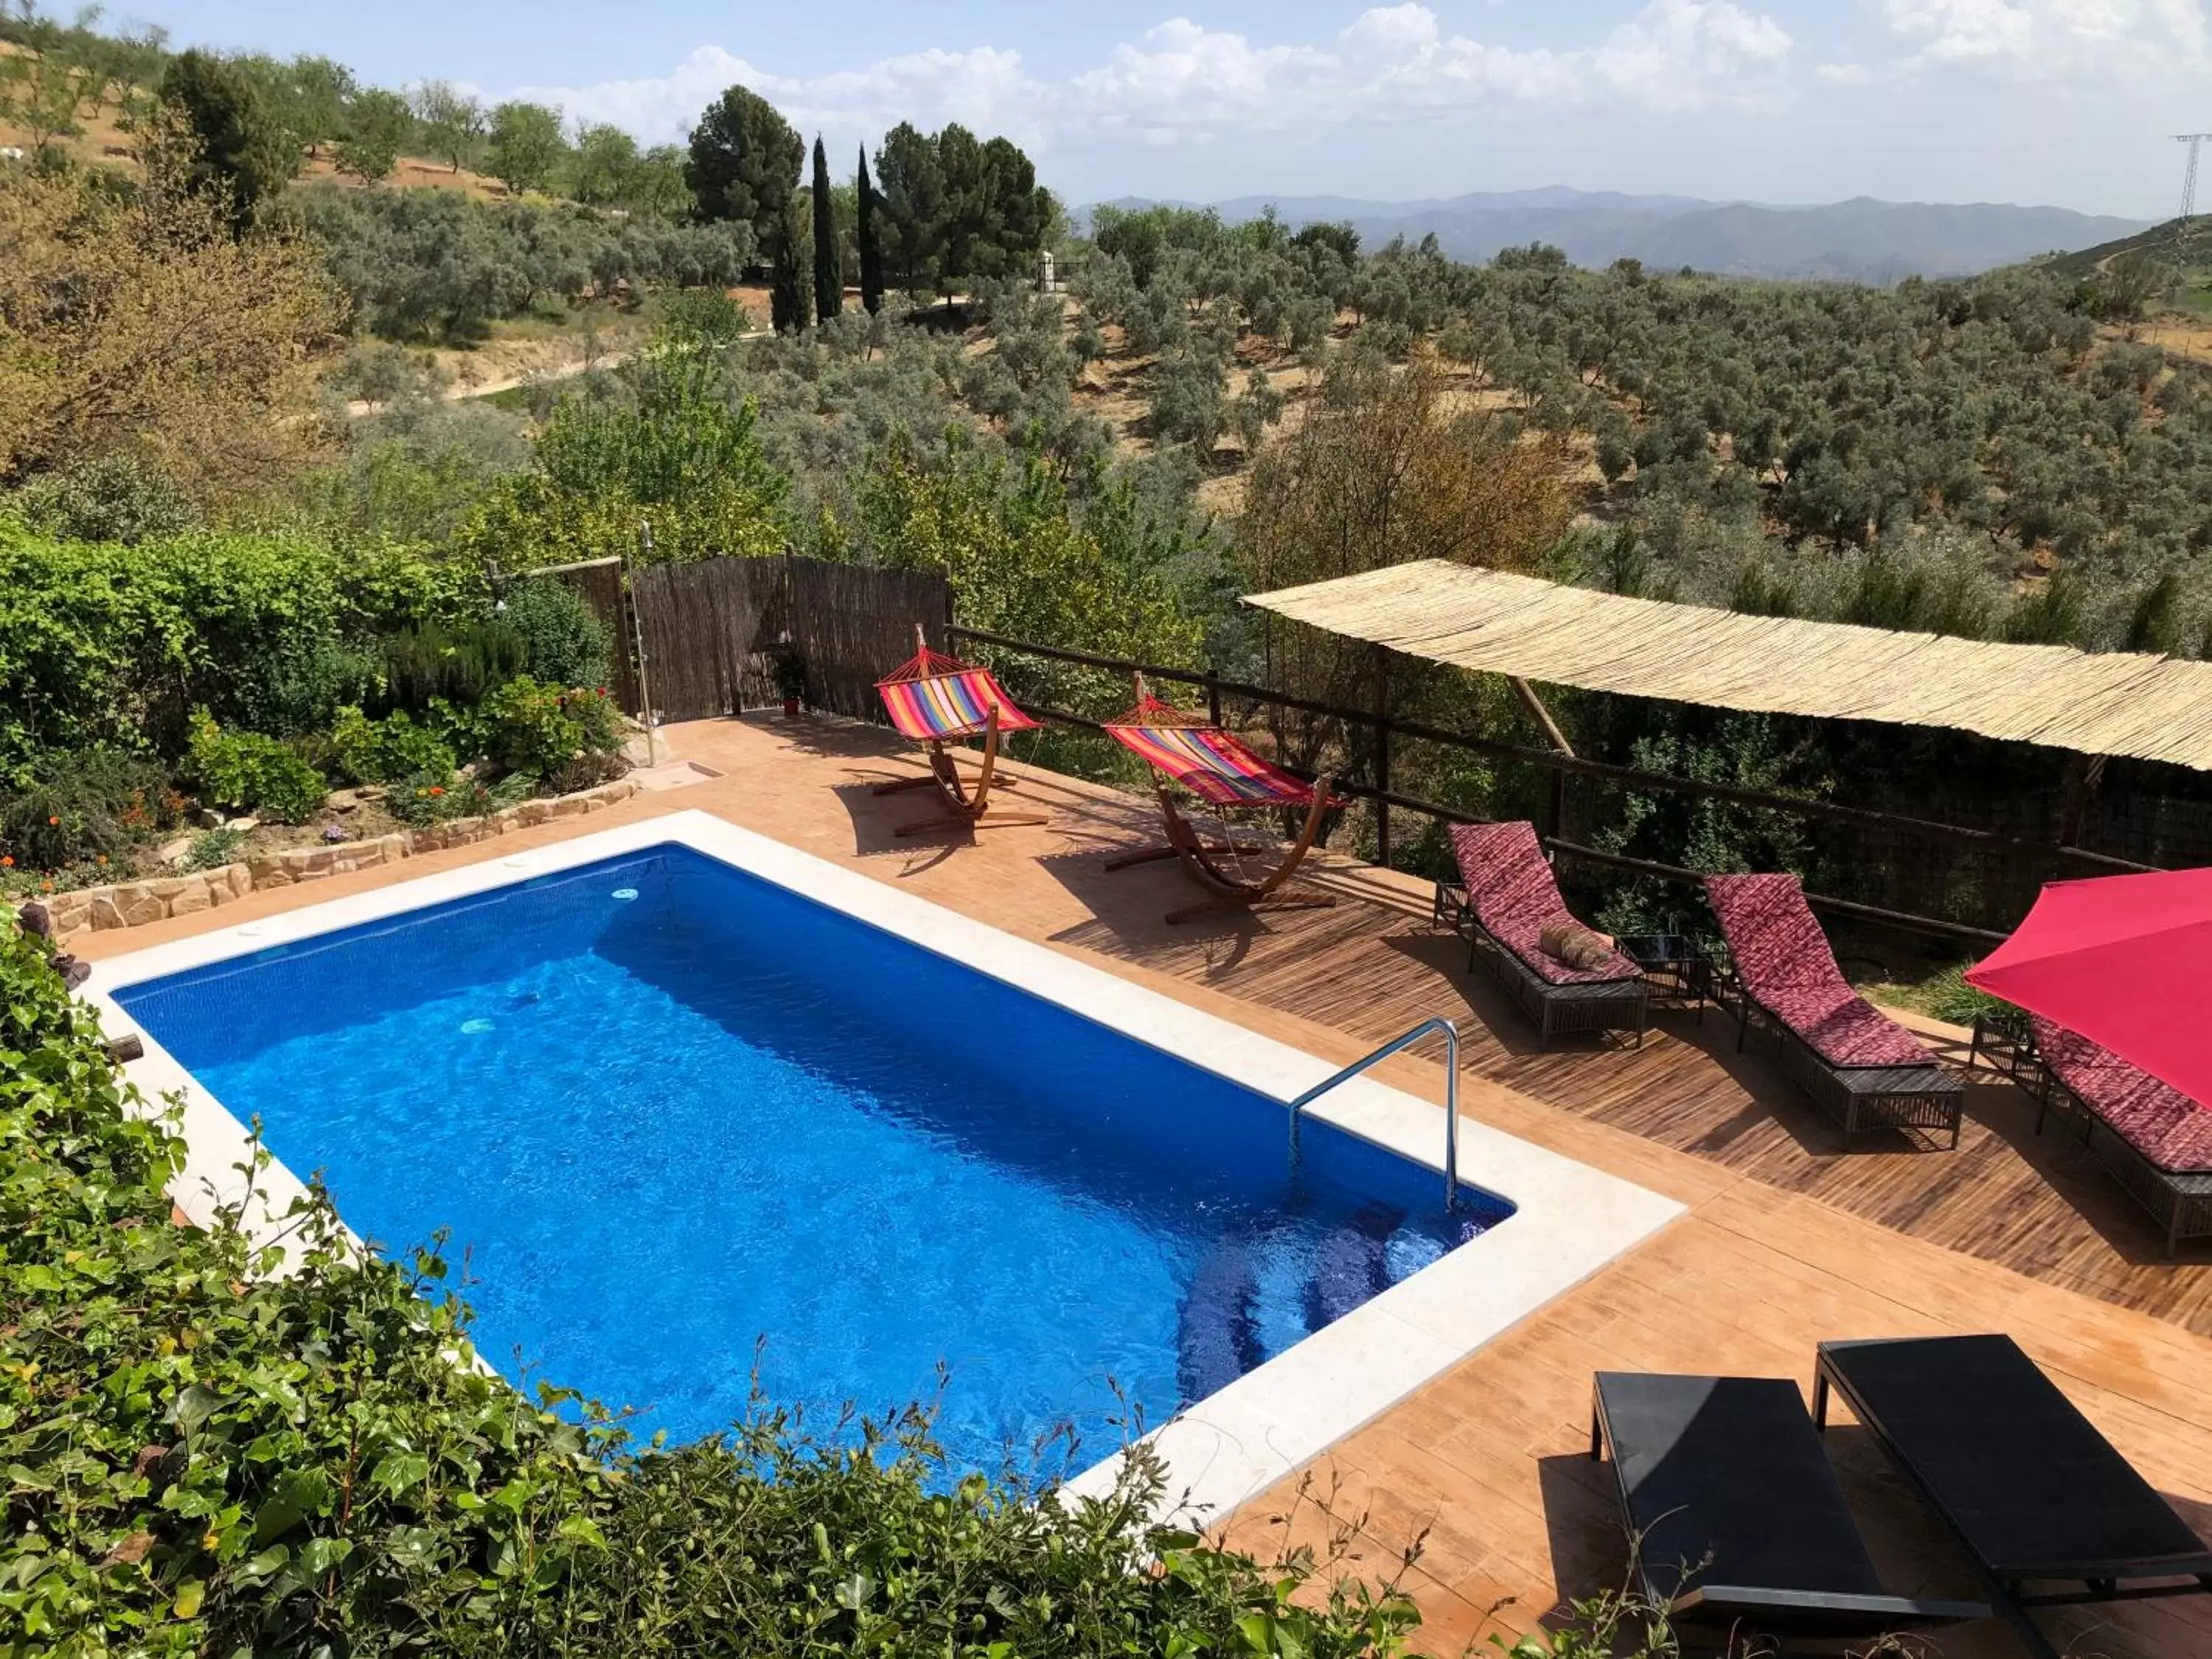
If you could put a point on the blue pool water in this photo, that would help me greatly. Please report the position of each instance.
(677, 1115)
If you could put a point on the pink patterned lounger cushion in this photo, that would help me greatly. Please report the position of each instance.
(2166, 1126)
(1515, 898)
(1785, 962)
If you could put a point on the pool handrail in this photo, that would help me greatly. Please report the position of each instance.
(1406, 1039)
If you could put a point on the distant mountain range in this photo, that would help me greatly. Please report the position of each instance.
(1859, 240)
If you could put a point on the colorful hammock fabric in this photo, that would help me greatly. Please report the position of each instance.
(937, 699)
(1205, 760)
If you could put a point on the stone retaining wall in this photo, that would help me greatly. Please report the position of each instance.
(155, 898)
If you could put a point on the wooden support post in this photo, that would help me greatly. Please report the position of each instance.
(1541, 715)
(1383, 754)
(2085, 775)
(1557, 739)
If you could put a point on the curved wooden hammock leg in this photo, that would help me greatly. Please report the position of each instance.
(1232, 892)
(969, 810)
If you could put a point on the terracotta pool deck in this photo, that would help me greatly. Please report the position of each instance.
(1788, 1240)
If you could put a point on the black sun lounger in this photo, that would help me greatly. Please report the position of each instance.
(1739, 1519)
(2031, 1488)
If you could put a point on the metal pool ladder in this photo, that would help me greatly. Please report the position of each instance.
(1405, 1039)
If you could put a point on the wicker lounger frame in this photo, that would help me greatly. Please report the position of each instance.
(2180, 1201)
(1857, 1098)
(1557, 1010)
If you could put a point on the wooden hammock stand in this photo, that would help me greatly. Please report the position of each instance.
(965, 808)
(1232, 890)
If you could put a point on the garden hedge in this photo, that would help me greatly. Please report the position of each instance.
(101, 642)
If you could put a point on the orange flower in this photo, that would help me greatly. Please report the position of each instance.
(103, 858)
(6, 863)
(437, 788)
(53, 820)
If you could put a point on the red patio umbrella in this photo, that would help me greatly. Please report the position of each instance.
(2126, 961)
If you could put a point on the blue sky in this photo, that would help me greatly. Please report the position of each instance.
(2065, 101)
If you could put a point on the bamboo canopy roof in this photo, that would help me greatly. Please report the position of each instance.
(2094, 703)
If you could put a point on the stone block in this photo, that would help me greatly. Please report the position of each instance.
(193, 900)
(272, 877)
(533, 812)
(104, 912)
(568, 807)
(170, 887)
(139, 904)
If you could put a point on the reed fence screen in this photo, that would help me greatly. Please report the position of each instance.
(712, 631)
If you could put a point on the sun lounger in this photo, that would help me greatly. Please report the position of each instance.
(1511, 898)
(2034, 1493)
(2156, 1140)
(1736, 1516)
(1860, 1066)
(937, 701)
(1221, 770)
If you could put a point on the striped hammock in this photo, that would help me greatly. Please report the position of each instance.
(1205, 760)
(939, 699)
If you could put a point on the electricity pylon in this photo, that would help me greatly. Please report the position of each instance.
(2189, 179)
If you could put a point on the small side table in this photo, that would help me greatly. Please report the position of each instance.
(1681, 973)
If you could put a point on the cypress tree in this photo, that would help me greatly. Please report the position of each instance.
(787, 294)
(828, 257)
(872, 247)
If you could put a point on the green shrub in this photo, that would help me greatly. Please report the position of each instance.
(387, 750)
(459, 665)
(246, 770)
(204, 1458)
(554, 734)
(115, 499)
(82, 808)
(213, 848)
(563, 636)
(433, 796)
(1948, 997)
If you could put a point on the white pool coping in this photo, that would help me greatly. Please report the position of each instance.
(1570, 1219)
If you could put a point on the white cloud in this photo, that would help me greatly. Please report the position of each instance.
(1844, 75)
(2056, 39)
(984, 89)
(1182, 81)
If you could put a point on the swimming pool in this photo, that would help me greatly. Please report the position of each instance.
(678, 1091)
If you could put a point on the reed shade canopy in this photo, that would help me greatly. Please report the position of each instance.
(1494, 621)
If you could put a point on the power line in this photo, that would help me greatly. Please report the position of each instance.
(2194, 140)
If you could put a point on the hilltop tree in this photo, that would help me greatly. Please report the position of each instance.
(828, 262)
(744, 163)
(452, 120)
(871, 241)
(378, 124)
(40, 92)
(322, 88)
(912, 208)
(607, 157)
(954, 208)
(242, 150)
(657, 183)
(527, 147)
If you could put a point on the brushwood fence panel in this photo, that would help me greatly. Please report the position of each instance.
(854, 623)
(710, 631)
(702, 625)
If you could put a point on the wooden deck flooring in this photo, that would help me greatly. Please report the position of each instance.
(1790, 1240)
